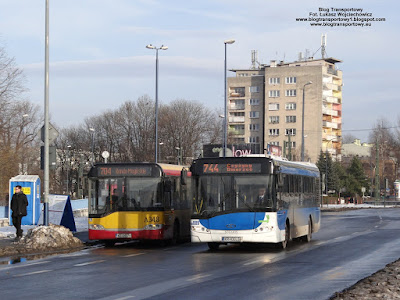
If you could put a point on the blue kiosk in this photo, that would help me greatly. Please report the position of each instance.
(31, 187)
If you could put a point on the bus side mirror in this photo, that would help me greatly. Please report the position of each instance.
(183, 176)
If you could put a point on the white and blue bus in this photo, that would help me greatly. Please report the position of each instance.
(254, 200)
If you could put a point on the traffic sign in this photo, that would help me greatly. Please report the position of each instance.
(53, 133)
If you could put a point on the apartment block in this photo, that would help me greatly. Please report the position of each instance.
(265, 106)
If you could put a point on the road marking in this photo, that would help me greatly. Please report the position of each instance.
(32, 273)
(197, 277)
(24, 265)
(89, 263)
(124, 298)
(134, 254)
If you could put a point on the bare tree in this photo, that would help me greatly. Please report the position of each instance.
(11, 78)
(186, 125)
(348, 138)
(384, 137)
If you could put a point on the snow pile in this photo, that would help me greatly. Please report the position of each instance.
(49, 237)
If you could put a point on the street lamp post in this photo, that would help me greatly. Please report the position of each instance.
(161, 143)
(68, 164)
(226, 42)
(156, 104)
(92, 131)
(302, 123)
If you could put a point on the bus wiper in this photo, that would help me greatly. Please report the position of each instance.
(247, 205)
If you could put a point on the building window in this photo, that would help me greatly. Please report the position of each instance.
(290, 106)
(290, 131)
(274, 80)
(254, 89)
(254, 139)
(290, 93)
(254, 114)
(254, 127)
(290, 80)
(237, 92)
(293, 144)
(274, 94)
(273, 106)
(274, 119)
(254, 101)
(274, 131)
(290, 119)
(273, 143)
(237, 114)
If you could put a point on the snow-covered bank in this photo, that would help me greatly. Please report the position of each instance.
(81, 224)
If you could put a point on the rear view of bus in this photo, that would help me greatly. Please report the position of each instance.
(138, 201)
(253, 200)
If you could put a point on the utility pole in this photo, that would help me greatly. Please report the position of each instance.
(326, 171)
(290, 149)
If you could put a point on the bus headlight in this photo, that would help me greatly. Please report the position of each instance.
(153, 227)
(96, 227)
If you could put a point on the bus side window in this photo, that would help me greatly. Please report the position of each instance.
(167, 193)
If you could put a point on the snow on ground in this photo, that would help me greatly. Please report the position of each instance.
(81, 224)
(352, 205)
(52, 236)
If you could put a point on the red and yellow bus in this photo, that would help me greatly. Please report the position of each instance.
(139, 201)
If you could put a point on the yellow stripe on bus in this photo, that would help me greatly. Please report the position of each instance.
(129, 219)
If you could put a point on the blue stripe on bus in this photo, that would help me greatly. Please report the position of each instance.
(234, 221)
(296, 171)
(281, 216)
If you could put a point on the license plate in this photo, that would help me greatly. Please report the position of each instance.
(232, 238)
(123, 235)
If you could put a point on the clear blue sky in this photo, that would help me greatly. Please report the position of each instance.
(98, 57)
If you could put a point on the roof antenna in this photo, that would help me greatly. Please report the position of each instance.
(323, 45)
(255, 64)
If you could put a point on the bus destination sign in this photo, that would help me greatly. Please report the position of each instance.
(124, 171)
(232, 168)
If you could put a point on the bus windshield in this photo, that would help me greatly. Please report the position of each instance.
(229, 193)
(126, 194)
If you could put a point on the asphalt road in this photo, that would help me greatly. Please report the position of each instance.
(350, 246)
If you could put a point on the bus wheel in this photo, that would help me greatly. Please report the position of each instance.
(284, 243)
(213, 246)
(307, 238)
(109, 243)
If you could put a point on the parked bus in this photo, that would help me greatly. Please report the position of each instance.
(254, 200)
(139, 201)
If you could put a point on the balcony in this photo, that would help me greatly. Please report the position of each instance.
(236, 119)
(236, 106)
(332, 86)
(330, 99)
(332, 71)
(329, 138)
(236, 94)
(330, 125)
(237, 132)
(331, 112)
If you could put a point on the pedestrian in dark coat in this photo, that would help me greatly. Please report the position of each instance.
(19, 202)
